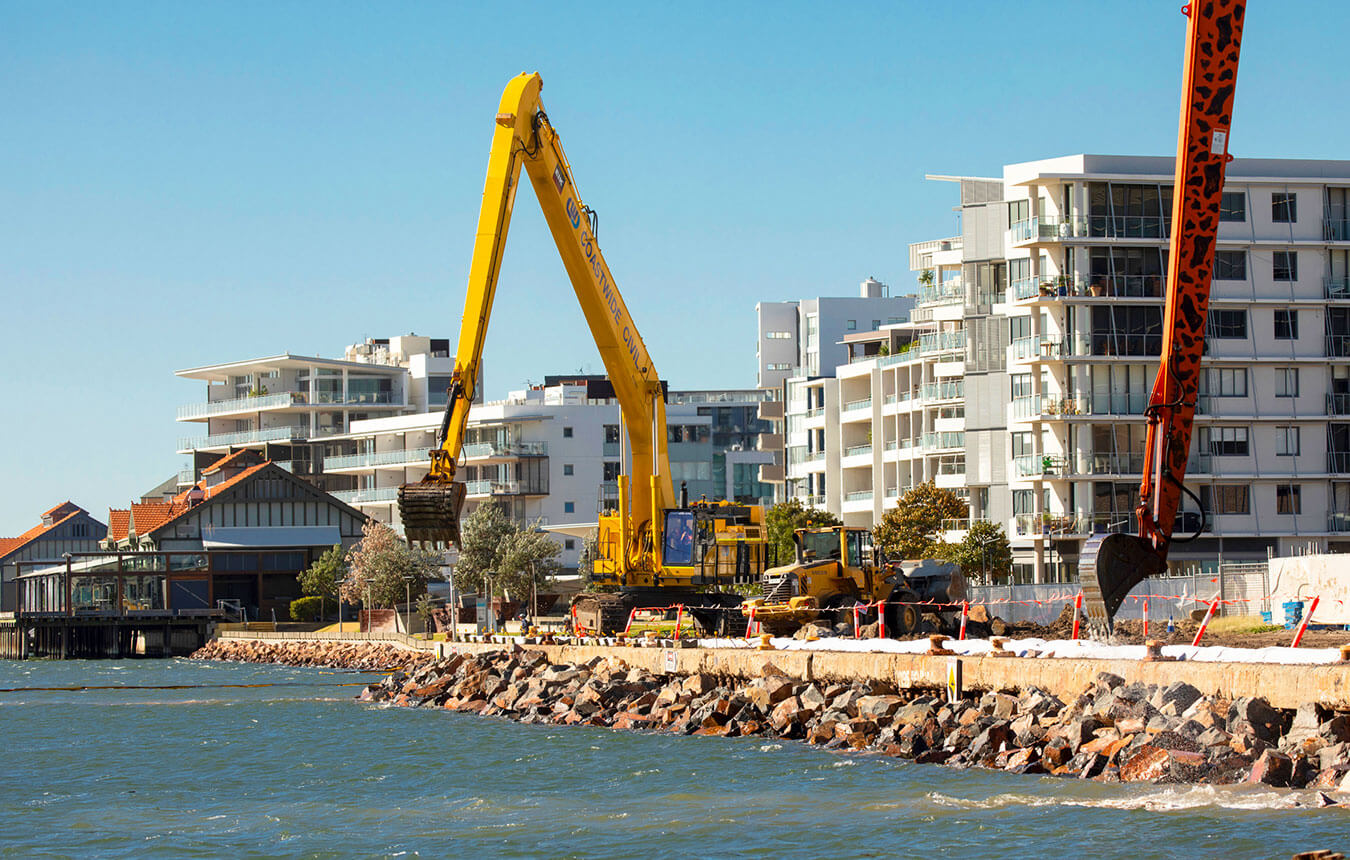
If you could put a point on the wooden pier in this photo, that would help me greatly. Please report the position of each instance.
(90, 638)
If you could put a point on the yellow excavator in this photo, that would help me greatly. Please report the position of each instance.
(655, 549)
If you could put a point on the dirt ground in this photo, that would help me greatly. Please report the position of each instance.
(1132, 633)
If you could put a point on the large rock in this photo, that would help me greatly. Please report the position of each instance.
(1272, 768)
(1254, 715)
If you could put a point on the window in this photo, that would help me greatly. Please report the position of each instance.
(567, 469)
(1288, 499)
(611, 471)
(1233, 206)
(1021, 384)
(876, 324)
(1227, 498)
(1227, 324)
(569, 507)
(1286, 382)
(1286, 441)
(569, 543)
(778, 335)
(1224, 441)
(1286, 265)
(778, 365)
(1018, 210)
(1286, 324)
(851, 325)
(1284, 207)
(1230, 265)
(1226, 382)
(567, 432)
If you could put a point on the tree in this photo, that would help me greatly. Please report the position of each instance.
(590, 551)
(784, 518)
(320, 580)
(911, 529)
(378, 564)
(985, 548)
(517, 558)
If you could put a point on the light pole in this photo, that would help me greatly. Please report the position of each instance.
(984, 556)
(337, 583)
(407, 603)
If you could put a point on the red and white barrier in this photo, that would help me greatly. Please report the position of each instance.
(1209, 613)
(965, 613)
(1077, 613)
(1303, 625)
(679, 618)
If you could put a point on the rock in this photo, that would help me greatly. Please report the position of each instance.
(1306, 725)
(998, 627)
(1272, 768)
(1149, 764)
(978, 613)
(814, 630)
(1336, 730)
(699, 684)
(1256, 713)
(878, 707)
(1334, 755)
(813, 698)
(1175, 698)
(991, 740)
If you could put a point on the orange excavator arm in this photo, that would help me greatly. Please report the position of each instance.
(1113, 564)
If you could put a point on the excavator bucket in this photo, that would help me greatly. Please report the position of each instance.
(430, 512)
(1109, 567)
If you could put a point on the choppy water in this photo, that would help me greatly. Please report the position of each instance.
(300, 769)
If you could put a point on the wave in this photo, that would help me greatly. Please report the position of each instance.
(1159, 799)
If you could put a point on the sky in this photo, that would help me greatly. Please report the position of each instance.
(185, 184)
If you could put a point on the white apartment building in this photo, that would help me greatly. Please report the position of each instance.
(805, 338)
(1043, 322)
(551, 453)
(289, 406)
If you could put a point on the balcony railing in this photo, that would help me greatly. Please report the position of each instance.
(942, 390)
(504, 488)
(855, 405)
(239, 404)
(1115, 464)
(246, 437)
(1335, 228)
(815, 501)
(377, 458)
(479, 450)
(948, 292)
(187, 476)
(1338, 461)
(951, 439)
(1336, 288)
(1338, 521)
(357, 497)
(858, 496)
(1338, 345)
(1037, 346)
(857, 450)
(947, 341)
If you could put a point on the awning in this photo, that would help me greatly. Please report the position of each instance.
(580, 530)
(261, 537)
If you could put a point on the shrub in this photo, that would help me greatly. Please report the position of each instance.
(307, 608)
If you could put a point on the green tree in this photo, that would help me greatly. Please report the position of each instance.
(378, 564)
(912, 528)
(985, 548)
(784, 518)
(320, 580)
(516, 557)
(590, 551)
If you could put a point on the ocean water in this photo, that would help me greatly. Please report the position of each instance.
(298, 768)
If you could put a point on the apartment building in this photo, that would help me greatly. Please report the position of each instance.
(1038, 331)
(551, 453)
(804, 338)
(287, 406)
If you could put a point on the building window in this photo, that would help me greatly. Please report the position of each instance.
(1286, 441)
(1286, 324)
(569, 507)
(1288, 499)
(778, 335)
(567, 432)
(851, 325)
(1228, 324)
(567, 469)
(611, 434)
(1233, 206)
(1286, 382)
(778, 365)
(1284, 207)
(1224, 441)
(1226, 382)
(1286, 265)
(1228, 498)
(876, 324)
(611, 471)
(569, 543)
(1230, 265)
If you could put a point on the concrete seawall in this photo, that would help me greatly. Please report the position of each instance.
(1282, 685)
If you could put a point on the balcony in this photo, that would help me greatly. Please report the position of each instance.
(1040, 464)
(187, 476)
(504, 488)
(368, 496)
(1338, 521)
(1336, 288)
(1338, 461)
(855, 405)
(489, 450)
(247, 437)
(770, 410)
(952, 439)
(417, 456)
(1115, 464)
(1338, 345)
(1335, 228)
(858, 496)
(1040, 229)
(949, 292)
(942, 390)
(947, 341)
(858, 451)
(211, 409)
(1338, 404)
(1037, 346)
(815, 501)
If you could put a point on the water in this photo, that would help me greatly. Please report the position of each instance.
(301, 770)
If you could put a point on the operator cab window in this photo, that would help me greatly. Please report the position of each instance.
(679, 538)
(820, 546)
(859, 548)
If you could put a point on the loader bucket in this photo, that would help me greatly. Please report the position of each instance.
(1109, 567)
(430, 512)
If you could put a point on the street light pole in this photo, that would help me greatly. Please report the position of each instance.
(337, 583)
(407, 603)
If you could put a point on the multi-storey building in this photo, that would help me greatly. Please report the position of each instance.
(1052, 302)
(287, 406)
(551, 453)
(805, 339)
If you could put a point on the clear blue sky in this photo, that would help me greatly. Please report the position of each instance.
(188, 183)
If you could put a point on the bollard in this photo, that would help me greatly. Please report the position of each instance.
(1146, 618)
(1153, 652)
(965, 613)
(1209, 613)
(1298, 637)
(1077, 613)
(856, 632)
(765, 642)
(881, 619)
(1345, 653)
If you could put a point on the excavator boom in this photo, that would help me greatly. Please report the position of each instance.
(1113, 564)
(524, 139)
